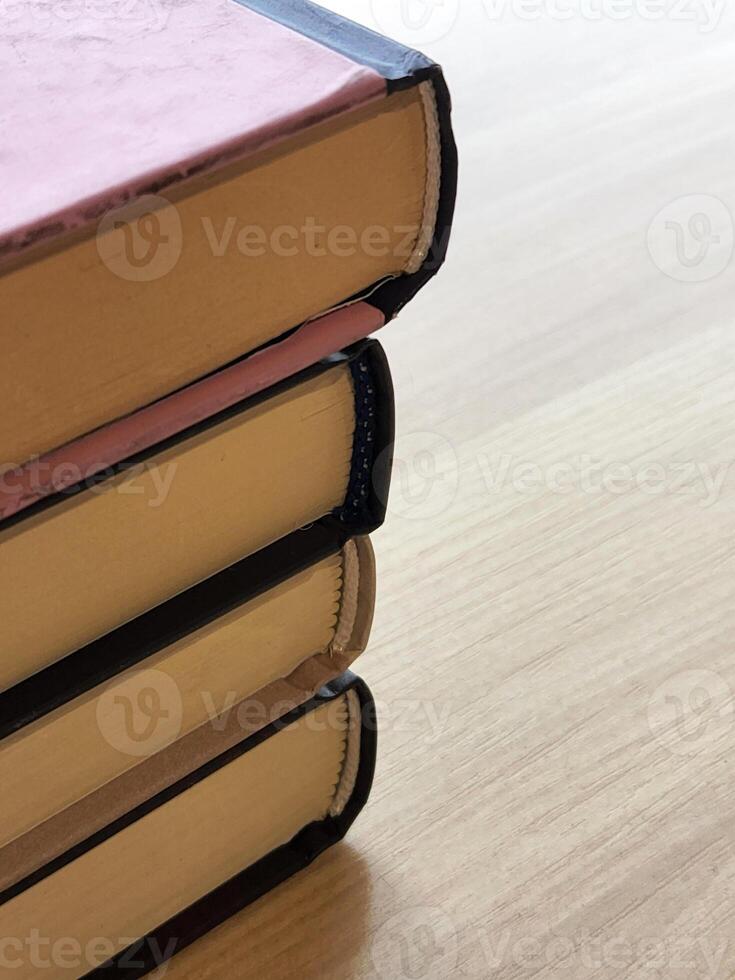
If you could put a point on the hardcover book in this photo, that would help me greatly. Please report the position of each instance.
(126, 717)
(183, 861)
(78, 565)
(97, 451)
(178, 195)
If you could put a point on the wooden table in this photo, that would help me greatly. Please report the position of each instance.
(554, 648)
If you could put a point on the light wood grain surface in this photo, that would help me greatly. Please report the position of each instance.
(554, 649)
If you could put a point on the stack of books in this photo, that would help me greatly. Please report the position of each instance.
(204, 218)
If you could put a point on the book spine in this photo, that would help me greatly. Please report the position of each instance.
(366, 501)
(401, 67)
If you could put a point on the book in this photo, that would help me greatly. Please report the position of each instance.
(176, 198)
(190, 857)
(82, 742)
(103, 448)
(78, 565)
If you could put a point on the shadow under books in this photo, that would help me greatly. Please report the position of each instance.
(313, 925)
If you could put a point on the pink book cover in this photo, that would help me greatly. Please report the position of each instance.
(131, 103)
(102, 109)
